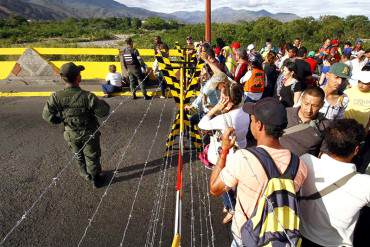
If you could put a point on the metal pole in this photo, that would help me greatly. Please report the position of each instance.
(208, 37)
(176, 242)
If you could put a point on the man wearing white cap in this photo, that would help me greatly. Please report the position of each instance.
(359, 109)
(251, 49)
(359, 99)
(360, 61)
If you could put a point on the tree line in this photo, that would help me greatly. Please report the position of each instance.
(17, 30)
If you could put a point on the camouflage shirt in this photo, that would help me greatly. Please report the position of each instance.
(77, 109)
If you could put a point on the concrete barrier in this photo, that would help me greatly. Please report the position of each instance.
(32, 68)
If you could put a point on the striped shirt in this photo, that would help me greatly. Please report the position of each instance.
(335, 111)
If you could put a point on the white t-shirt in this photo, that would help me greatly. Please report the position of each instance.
(115, 79)
(253, 96)
(285, 57)
(357, 65)
(237, 118)
(330, 220)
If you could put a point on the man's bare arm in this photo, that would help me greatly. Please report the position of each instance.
(216, 185)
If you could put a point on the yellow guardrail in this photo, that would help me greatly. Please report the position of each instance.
(6, 68)
(93, 70)
(80, 51)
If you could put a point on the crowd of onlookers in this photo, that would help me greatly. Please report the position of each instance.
(259, 111)
(286, 134)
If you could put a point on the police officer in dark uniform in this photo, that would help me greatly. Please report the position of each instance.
(133, 64)
(78, 110)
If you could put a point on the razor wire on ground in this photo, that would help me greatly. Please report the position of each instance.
(116, 171)
(61, 172)
(182, 94)
(155, 215)
(142, 175)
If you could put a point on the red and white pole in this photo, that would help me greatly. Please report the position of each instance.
(177, 229)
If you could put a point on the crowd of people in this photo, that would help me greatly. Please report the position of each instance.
(287, 134)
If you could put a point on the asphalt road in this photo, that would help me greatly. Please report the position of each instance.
(137, 209)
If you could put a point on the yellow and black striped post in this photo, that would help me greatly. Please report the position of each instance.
(182, 89)
(179, 93)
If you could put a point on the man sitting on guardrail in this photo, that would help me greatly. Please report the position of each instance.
(113, 82)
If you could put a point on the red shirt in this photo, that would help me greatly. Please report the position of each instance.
(313, 63)
(241, 70)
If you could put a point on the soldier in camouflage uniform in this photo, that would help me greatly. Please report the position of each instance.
(78, 111)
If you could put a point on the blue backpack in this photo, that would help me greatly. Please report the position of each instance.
(275, 219)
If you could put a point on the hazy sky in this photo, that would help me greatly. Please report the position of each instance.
(313, 8)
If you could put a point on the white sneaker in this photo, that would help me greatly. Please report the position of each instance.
(162, 97)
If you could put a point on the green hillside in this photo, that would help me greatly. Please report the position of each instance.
(17, 31)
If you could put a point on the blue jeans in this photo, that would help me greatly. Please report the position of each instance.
(234, 244)
(108, 88)
(136, 78)
(229, 200)
(237, 242)
(162, 83)
(249, 100)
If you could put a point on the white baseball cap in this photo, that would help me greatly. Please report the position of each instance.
(363, 76)
(360, 53)
(250, 47)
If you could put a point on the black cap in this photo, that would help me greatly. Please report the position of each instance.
(268, 110)
(69, 71)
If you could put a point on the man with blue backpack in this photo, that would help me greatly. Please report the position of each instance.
(267, 178)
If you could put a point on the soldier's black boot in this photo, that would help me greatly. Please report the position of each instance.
(134, 95)
(95, 182)
(98, 179)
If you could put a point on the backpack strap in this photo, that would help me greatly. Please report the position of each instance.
(270, 167)
(292, 169)
(336, 185)
(296, 128)
(266, 161)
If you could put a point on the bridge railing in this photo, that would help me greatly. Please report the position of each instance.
(93, 69)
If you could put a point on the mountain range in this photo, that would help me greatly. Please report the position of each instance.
(61, 9)
(229, 15)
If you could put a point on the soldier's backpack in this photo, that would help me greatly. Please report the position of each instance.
(275, 219)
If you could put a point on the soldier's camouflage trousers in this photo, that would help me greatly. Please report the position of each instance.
(88, 159)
